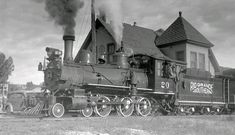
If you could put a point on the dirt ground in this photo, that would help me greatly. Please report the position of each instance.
(116, 125)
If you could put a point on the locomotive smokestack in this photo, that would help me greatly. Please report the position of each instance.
(68, 48)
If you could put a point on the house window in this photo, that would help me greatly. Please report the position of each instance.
(180, 56)
(102, 57)
(193, 59)
(202, 61)
(111, 51)
(102, 50)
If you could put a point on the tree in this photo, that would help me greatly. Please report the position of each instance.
(6, 67)
(30, 86)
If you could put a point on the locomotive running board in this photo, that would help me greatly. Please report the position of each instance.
(116, 86)
(162, 93)
(201, 102)
(104, 85)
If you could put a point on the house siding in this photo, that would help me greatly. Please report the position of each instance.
(103, 38)
(170, 51)
(203, 50)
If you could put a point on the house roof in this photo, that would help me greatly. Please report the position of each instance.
(182, 30)
(140, 40)
(214, 61)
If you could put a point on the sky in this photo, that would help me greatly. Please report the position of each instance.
(26, 29)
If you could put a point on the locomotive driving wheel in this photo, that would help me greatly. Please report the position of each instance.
(103, 108)
(57, 110)
(87, 112)
(143, 107)
(127, 107)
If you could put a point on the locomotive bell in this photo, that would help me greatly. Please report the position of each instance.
(85, 57)
(68, 48)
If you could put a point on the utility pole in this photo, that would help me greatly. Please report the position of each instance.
(93, 29)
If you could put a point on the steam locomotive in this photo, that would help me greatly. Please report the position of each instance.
(138, 84)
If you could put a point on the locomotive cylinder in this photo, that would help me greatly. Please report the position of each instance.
(68, 48)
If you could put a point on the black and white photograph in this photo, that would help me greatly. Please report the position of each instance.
(117, 67)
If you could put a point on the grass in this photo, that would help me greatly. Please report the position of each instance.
(114, 125)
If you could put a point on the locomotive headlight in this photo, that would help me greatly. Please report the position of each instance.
(57, 52)
(53, 51)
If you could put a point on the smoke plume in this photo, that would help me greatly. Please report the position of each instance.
(112, 10)
(63, 12)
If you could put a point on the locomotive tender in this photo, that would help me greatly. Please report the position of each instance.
(131, 83)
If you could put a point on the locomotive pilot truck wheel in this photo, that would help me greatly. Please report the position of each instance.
(87, 112)
(57, 110)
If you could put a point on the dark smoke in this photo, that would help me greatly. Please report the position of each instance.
(64, 12)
